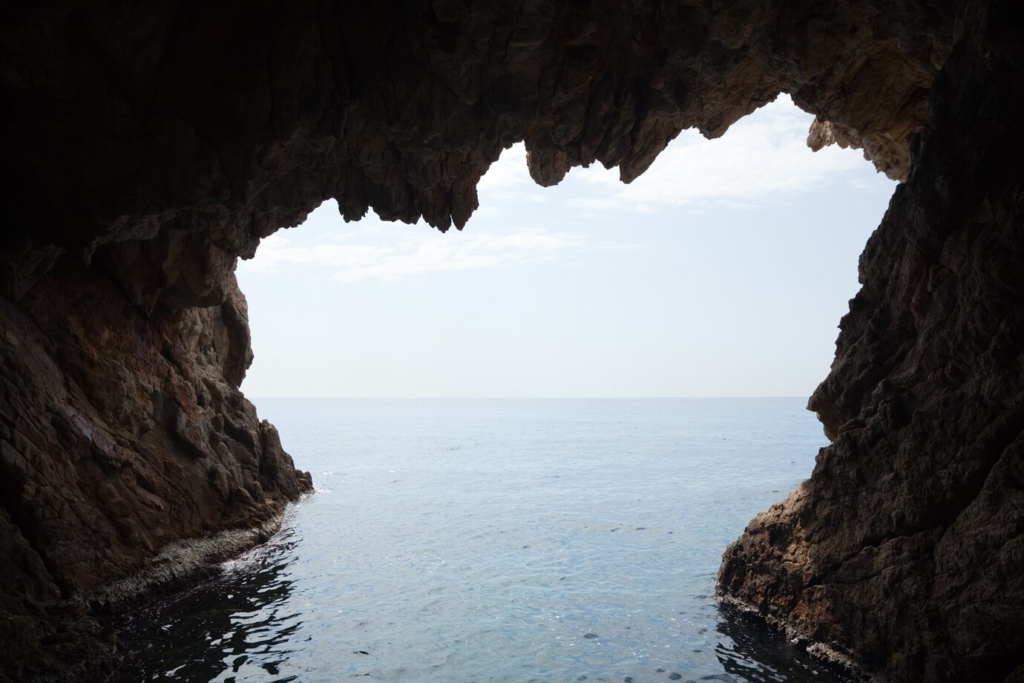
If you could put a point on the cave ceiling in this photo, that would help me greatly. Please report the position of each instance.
(169, 137)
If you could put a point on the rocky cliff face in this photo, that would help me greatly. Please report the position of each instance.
(148, 145)
(120, 431)
(906, 546)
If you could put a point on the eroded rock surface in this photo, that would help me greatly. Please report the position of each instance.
(119, 432)
(148, 145)
(906, 546)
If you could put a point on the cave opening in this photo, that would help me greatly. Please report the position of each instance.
(735, 281)
(722, 271)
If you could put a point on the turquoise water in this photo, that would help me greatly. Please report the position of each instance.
(497, 540)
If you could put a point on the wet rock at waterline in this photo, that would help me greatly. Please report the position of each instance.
(148, 147)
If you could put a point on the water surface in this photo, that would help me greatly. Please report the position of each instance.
(497, 540)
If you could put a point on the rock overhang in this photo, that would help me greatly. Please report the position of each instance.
(189, 133)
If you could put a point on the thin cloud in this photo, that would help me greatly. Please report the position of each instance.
(371, 253)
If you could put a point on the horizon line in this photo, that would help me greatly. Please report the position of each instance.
(517, 398)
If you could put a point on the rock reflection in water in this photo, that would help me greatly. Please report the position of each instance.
(750, 651)
(235, 626)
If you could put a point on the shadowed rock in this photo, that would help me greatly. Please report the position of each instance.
(148, 146)
(906, 546)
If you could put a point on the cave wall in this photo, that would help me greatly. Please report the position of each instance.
(906, 545)
(119, 433)
(149, 145)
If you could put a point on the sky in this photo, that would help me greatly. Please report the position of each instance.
(722, 271)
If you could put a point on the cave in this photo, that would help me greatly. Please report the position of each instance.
(149, 146)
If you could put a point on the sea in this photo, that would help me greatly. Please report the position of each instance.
(490, 540)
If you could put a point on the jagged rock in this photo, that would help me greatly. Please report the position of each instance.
(906, 546)
(113, 442)
(224, 124)
(150, 145)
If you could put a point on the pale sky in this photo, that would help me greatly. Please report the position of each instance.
(722, 271)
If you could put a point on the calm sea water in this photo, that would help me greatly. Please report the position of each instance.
(497, 540)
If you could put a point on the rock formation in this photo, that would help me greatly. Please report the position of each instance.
(120, 431)
(906, 546)
(149, 145)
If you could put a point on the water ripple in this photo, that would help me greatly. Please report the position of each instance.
(497, 541)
